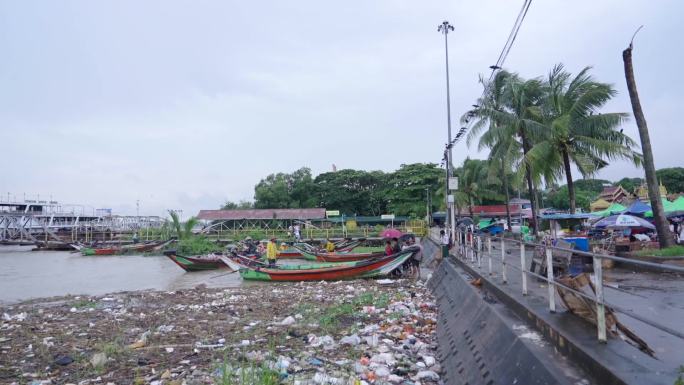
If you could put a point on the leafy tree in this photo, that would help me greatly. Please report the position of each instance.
(476, 183)
(282, 190)
(405, 189)
(242, 205)
(560, 198)
(672, 178)
(352, 191)
(594, 186)
(574, 132)
(183, 229)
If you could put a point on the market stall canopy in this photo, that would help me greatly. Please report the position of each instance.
(623, 221)
(638, 208)
(614, 208)
(668, 207)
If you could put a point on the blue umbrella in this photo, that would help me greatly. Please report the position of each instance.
(623, 221)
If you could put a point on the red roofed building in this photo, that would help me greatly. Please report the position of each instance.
(517, 208)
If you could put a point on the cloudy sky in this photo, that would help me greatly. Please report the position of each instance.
(185, 104)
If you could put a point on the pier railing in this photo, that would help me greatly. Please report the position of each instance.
(483, 251)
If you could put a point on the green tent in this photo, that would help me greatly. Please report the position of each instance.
(668, 207)
(614, 208)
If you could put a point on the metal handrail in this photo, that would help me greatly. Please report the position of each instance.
(475, 252)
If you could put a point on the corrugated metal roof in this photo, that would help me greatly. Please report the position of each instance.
(264, 214)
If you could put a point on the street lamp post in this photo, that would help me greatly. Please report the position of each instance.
(444, 28)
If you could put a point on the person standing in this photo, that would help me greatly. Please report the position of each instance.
(388, 247)
(444, 240)
(329, 246)
(272, 252)
(297, 233)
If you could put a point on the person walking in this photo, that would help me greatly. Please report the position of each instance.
(272, 252)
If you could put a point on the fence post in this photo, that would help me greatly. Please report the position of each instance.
(472, 249)
(550, 281)
(489, 254)
(479, 252)
(503, 260)
(600, 307)
(522, 268)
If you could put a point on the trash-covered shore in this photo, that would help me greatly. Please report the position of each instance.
(348, 332)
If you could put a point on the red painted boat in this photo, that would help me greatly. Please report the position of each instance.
(346, 257)
(365, 268)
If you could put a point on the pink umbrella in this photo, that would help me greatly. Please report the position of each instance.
(390, 233)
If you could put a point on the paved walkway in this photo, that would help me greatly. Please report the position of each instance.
(657, 297)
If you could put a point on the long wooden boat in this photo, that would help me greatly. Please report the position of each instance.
(367, 268)
(137, 248)
(346, 257)
(202, 263)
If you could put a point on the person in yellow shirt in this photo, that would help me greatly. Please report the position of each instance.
(272, 252)
(330, 247)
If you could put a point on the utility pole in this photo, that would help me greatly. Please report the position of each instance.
(444, 28)
(662, 227)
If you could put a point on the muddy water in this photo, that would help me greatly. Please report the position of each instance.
(26, 274)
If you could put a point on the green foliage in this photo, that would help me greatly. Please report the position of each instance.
(352, 191)
(672, 178)
(560, 199)
(673, 251)
(477, 184)
(282, 190)
(242, 205)
(197, 245)
(182, 230)
(594, 186)
(405, 189)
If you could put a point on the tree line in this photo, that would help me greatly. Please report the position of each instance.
(402, 192)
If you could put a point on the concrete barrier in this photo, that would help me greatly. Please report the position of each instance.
(476, 345)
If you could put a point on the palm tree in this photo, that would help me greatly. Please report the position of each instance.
(475, 183)
(574, 132)
(510, 109)
(184, 229)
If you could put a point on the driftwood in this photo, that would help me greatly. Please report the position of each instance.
(586, 308)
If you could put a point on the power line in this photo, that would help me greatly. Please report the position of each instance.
(513, 34)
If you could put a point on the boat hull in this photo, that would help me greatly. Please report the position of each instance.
(366, 268)
(196, 264)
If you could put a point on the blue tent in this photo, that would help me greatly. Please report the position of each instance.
(638, 208)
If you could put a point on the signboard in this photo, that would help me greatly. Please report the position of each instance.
(450, 198)
(387, 216)
(453, 183)
(332, 213)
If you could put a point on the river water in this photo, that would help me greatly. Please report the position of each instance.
(26, 274)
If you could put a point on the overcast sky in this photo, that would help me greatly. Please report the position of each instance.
(185, 104)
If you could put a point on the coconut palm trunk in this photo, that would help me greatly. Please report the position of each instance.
(665, 239)
(568, 177)
(530, 184)
(504, 181)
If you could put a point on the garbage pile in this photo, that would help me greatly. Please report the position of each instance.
(365, 332)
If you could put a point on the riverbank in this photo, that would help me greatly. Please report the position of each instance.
(294, 333)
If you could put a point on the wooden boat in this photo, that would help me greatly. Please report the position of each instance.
(346, 257)
(337, 271)
(136, 248)
(198, 263)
